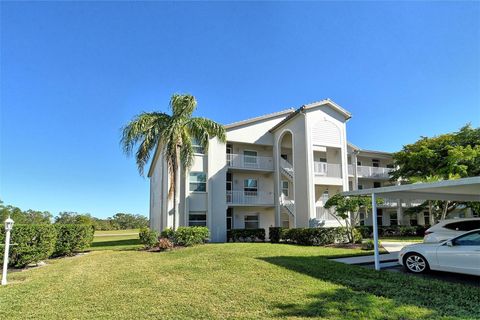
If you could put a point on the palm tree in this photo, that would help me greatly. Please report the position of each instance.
(173, 134)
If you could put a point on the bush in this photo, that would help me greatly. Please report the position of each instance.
(149, 238)
(189, 236)
(168, 233)
(393, 231)
(275, 234)
(32, 243)
(246, 235)
(164, 244)
(369, 244)
(313, 236)
(72, 238)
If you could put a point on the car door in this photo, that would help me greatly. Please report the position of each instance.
(461, 254)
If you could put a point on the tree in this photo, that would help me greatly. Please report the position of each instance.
(24, 217)
(447, 156)
(67, 217)
(173, 134)
(129, 221)
(348, 209)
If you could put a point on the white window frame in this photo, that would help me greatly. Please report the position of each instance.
(257, 220)
(287, 189)
(190, 182)
(253, 193)
(252, 164)
(203, 223)
(197, 147)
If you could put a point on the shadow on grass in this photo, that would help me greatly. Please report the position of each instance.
(407, 297)
(116, 244)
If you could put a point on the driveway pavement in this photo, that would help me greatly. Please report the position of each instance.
(389, 263)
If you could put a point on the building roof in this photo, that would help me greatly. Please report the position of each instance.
(312, 105)
(259, 118)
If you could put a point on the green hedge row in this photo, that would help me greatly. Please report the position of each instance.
(186, 236)
(31, 243)
(311, 236)
(393, 231)
(246, 235)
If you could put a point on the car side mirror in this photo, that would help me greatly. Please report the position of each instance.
(449, 243)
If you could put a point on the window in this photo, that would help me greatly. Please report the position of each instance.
(361, 217)
(375, 163)
(285, 188)
(377, 184)
(379, 217)
(471, 239)
(390, 166)
(198, 181)
(359, 163)
(464, 225)
(250, 187)
(323, 159)
(393, 219)
(360, 187)
(197, 147)
(284, 156)
(197, 219)
(251, 221)
(229, 154)
(229, 219)
(250, 158)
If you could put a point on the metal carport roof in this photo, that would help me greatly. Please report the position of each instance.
(465, 189)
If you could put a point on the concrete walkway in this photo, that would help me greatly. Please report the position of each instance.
(386, 260)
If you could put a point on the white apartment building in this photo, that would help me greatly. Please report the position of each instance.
(274, 170)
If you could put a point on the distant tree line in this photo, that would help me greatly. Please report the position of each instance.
(119, 221)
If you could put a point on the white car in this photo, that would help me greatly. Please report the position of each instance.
(447, 229)
(460, 254)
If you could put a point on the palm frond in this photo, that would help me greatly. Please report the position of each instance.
(182, 105)
(213, 129)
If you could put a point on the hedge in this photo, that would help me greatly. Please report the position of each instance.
(31, 243)
(393, 231)
(246, 235)
(72, 238)
(311, 236)
(186, 236)
(149, 238)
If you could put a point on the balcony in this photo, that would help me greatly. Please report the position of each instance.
(250, 198)
(323, 214)
(393, 203)
(331, 170)
(241, 161)
(372, 172)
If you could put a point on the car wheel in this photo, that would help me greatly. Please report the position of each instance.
(415, 262)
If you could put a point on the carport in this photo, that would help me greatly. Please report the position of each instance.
(465, 189)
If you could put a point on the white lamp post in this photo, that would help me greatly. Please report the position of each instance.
(8, 228)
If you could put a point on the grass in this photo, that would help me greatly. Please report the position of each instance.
(116, 240)
(228, 281)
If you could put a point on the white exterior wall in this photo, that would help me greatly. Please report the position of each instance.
(216, 188)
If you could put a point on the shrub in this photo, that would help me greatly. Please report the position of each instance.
(189, 236)
(369, 244)
(318, 236)
(164, 244)
(275, 234)
(149, 238)
(72, 238)
(32, 243)
(247, 235)
(167, 233)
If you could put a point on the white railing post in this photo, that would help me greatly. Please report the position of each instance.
(8, 228)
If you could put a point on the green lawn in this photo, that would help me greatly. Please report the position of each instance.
(228, 281)
(116, 240)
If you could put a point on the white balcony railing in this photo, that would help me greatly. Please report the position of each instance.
(327, 169)
(393, 203)
(372, 172)
(249, 197)
(325, 214)
(249, 162)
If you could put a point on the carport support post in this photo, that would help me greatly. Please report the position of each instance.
(375, 231)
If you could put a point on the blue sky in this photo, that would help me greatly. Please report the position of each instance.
(73, 73)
